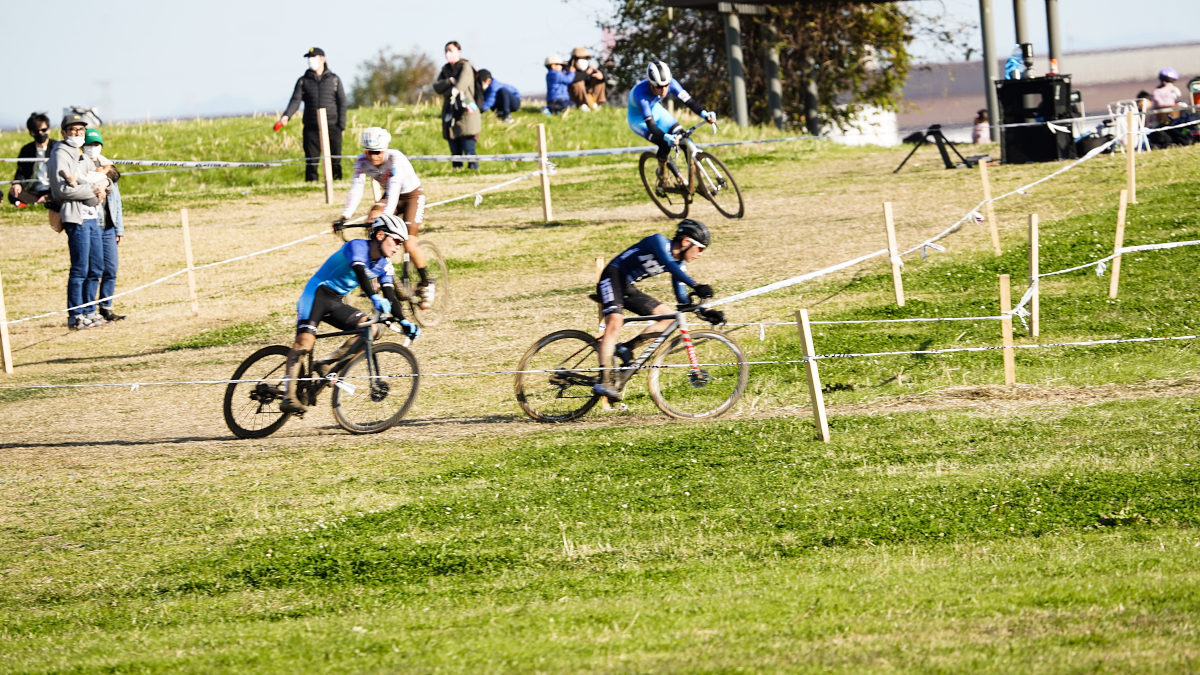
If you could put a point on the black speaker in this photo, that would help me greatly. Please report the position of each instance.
(1035, 101)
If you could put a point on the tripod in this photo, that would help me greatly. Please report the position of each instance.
(933, 134)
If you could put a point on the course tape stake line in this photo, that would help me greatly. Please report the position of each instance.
(134, 386)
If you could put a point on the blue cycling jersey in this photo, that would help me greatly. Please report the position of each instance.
(337, 272)
(652, 256)
(643, 103)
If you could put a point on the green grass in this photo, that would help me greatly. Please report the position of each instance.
(235, 334)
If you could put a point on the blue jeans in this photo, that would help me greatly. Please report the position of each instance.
(463, 146)
(108, 274)
(85, 242)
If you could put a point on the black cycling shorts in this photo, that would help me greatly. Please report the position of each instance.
(616, 295)
(329, 307)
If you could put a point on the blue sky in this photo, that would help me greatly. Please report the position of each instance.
(142, 58)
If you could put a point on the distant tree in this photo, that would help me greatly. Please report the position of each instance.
(391, 79)
(830, 53)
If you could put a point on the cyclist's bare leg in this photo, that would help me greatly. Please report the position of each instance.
(608, 342)
(300, 348)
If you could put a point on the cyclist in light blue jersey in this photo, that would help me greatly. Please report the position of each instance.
(364, 263)
(650, 120)
(616, 291)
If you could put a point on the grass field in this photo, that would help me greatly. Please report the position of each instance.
(953, 523)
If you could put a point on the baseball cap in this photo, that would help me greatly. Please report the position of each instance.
(92, 136)
(72, 118)
(314, 51)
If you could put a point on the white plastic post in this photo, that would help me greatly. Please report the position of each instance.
(187, 256)
(893, 253)
(1115, 281)
(1006, 331)
(1034, 300)
(544, 165)
(5, 345)
(989, 209)
(326, 161)
(814, 378)
(1131, 143)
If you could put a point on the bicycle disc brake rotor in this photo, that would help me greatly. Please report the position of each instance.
(379, 391)
(699, 378)
(265, 393)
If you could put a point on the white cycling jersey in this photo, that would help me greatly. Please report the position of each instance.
(396, 174)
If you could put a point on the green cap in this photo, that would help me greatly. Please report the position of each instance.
(92, 136)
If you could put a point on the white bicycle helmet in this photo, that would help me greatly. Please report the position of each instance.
(393, 226)
(375, 138)
(659, 73)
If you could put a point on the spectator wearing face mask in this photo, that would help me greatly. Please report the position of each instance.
(498, 96)
(461, 121)
(587, 90)
(112, 227)
(31, 182)
(318, 88)
(77, 202)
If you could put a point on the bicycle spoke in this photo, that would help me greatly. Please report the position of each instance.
(372, 399)
(559, 388)
(685, 390)
(717, 185)
(251, 406)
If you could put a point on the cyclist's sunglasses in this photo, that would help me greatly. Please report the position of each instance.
(695, 243)
(375, 152)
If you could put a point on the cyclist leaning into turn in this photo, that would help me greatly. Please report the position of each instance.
(616, 291)
(650, 120)
(361, 263)
(402, 196)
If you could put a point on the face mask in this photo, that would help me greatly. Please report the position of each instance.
(451, 56)
(91, 151)
(74, 141)
(41, 138)
(314, 63)
(581, 64)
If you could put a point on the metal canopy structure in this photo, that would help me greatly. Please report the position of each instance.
(737, 78)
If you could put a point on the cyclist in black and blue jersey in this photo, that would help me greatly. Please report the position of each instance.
(359, 263)
(616, 291)
(649, 119)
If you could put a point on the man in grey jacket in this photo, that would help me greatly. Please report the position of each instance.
(77, 202)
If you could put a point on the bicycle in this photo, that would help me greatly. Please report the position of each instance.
(693, 375)
(706, 175)
(392, 378)
(406, 275)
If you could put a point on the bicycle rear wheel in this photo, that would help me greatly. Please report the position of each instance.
(252, 407)
(672, 199)
(561, 389)
(718, 186)
(435, 266)
(368, 405)
(710, 390)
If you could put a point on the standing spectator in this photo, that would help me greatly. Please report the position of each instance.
(318, 88)
(587, 91)
(78, 207)
(981, 132)
(461, 121)
(557, 81)
(31, 182)
(112, 227)
(503, 97)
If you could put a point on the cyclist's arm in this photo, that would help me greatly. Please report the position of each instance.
(364, 279)
(685, 98)
(389, 291)
(354, 196)
(679, 277)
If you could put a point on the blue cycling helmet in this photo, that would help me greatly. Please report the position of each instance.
(1168, 74)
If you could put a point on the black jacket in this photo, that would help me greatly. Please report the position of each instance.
(316, 93)
(26, 170)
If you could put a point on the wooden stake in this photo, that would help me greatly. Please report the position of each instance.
(893, 253)
(544, 164)
(989, 208)
(187, 256)
(1006, 331)
(326, 161)
(1131, 139)
(814, 378)
(1116, 263)
(1034, 308)
(5, 345)
(600, 313)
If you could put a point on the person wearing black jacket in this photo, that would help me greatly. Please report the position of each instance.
(30, 183)
(318, 88)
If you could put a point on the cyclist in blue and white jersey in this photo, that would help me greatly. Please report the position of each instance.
(364, 263)
(615, 291)
(650, 120)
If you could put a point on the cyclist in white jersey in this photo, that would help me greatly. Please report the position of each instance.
(402, 196)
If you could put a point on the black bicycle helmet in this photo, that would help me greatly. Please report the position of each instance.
(694, 230)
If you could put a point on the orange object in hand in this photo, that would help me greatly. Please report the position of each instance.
(278, 126)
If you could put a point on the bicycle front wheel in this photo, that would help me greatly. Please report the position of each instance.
(559, 388)
(435, 265)
(672, 199)
(718, 186)
(252, 406)
(370, 400)
(708, 389)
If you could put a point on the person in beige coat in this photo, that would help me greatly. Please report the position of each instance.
(461, 122)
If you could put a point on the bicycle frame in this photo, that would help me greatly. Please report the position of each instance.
(679, 322)
(366, 342)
